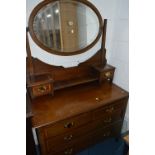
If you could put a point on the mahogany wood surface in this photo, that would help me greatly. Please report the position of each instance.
(50, 146)
(58, 72)
(30, 145)
(28, 51)
(78, 116)
(74, 101)
(86, 72)
(73, 123)
(75, 147)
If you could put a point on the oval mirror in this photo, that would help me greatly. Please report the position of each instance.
(65, 27)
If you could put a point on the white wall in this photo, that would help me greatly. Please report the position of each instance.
(119, 53)
(117, 42)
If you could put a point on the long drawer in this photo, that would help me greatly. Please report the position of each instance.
(89, 139)
(66, 125)
(108, 115)
(53, 144)
(93, 128)
(74, 147)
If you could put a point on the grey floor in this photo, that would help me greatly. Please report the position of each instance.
(108, 147)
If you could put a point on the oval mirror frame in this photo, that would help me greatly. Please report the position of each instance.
(56, 52)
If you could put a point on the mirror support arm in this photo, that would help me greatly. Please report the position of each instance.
(29, 56)
(103, 42)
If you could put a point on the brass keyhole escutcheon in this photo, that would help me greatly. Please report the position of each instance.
(42, 89)
(69, 125)
(108, 120)
(110, 110)
(67, 138)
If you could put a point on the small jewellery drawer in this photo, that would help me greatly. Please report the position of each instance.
(56, 142)
(42, 89)
(117, 106)
(39, 85)
(66, 125)
(107, 74)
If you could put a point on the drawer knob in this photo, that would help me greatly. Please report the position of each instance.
(42, 89)
(107, 134)
(108, 74)
(69, 125)
(110, 109)
(72, 31)
(70, 151)
(97, 99)
(108, 120)
(68, 138)
(70, 23)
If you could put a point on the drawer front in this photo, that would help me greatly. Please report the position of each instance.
(109, 110)
(66, 125)
(77, 145)
(56, 142)
(110, 131)
(87, 140)
(108, 119)
(42, 89)
(107, 74)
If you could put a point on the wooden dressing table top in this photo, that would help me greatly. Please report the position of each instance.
(73, 101)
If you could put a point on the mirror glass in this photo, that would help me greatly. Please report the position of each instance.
(66, 26)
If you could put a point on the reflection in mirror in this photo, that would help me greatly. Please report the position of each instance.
(66, 26)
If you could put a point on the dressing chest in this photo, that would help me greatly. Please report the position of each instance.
(78, 117)
(78, 106)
